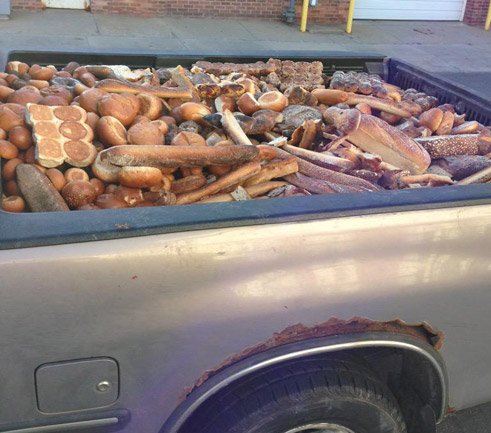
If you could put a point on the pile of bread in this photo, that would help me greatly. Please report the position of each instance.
(105, 137)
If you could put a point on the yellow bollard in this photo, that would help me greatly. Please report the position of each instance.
(305, 13)
(488, 18)
(351, 12)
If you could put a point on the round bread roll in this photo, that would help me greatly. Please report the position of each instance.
(185, 138)
(119, 107)
(446, 124)
(5, 92)
(145, 133)
(89, 99)
(3, 134)
(57, 90)
(63, 74)
(140, 119)
(21, 137)
(111, 131)
(25, 95)
(247, 104)
(38, 84)
(163, 126)
(169, 120)
(11, 188)
(13, 204)
(134, 100)
(56, 177)
(109, 201)
(140, 177)
(92, 119)
(88, 79)
(18, 109)
(53, 101)
(98, 185)
(190, 111)
(76, 173)
(150, 106)
(9, 119)
(274, 100)
(431, 118)
(78, 193)
(41, 73)
(8, 150)
(132, 196)
(8, 169)
(18, 68)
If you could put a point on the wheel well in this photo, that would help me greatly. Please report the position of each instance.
(411, 368)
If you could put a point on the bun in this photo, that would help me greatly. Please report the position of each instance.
(89, 99)
(431, 118)
(119, 107)
(140, 177)
(273, 100)
(150, 106)
(145, 133)
(111, 131)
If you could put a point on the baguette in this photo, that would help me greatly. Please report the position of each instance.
(116, 86)
(253, 191)
(373, 135)
(233, 129)
(274, 170)
(327, 161)
(177, 156)
(450, 145)
(386, 105)
(339, 182)
(237, 176)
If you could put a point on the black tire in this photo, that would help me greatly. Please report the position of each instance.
(308, 392)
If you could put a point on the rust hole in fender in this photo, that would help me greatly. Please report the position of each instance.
(333, 326)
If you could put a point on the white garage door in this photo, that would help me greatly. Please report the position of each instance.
(442, 10)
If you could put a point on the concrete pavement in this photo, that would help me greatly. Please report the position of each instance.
(436, 46)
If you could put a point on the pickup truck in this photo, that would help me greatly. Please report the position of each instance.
(342, 313)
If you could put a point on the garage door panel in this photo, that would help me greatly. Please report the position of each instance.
(409, 9)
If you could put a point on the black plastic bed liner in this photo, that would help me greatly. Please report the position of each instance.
(41, 229)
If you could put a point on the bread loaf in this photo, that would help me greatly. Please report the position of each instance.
(177, 156)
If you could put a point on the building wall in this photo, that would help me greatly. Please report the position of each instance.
(327, 11)
(475, 12)
(30, 5)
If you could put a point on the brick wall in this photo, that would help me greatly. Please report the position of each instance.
(30, 5)
(327, 11)
(475, 12)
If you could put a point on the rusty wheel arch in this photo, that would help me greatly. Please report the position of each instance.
(418, 343)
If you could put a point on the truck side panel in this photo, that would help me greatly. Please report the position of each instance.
(167, 307)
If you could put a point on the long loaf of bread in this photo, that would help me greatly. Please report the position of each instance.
(116, 86)
(374, 135)
(177, 156)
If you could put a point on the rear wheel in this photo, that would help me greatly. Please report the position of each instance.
(308, 396)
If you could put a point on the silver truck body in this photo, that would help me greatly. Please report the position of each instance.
(168, 307)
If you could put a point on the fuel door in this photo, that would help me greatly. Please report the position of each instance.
(77, 385)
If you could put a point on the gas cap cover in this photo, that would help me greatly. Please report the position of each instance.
(77, 385)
